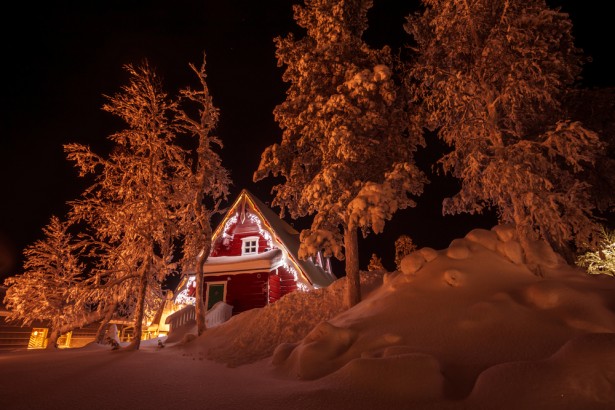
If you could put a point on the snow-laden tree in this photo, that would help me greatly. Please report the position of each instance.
(131, 205)
(601, 260)
(50, 288)
(375, 264)
(403, 246)
(112, 283)
(491, 75)
(202, 185)
(346, 154)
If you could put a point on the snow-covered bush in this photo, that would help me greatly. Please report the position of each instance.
(375, 264)
(403, 246)
(602, 260)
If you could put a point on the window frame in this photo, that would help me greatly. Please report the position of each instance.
(246, 244)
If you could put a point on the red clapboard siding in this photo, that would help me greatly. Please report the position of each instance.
(243, 291)
(275, 289)
(287, 281)
(234, 248)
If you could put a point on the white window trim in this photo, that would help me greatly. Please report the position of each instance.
(247, 239)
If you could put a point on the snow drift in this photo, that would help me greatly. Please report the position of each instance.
(473, 314)
(480, 324)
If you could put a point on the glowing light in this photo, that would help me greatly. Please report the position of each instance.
(182, 297)
(300, 285)
(38, 338)
(230, 222)
(263, 232)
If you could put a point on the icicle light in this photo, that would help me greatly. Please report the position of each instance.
(182, 297)
(263, 232)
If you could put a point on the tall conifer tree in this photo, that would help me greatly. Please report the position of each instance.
(132, 203)
(346, 154)
(49, 289)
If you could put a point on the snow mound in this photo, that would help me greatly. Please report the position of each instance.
(458, 249)
(429, 253)
(255, 334)
(478, 332)
(474, 311)
(569, 379)
(501, 239)
(411, 376)
(511, 250)
(413, 262)
(488, 239)
(505, 232)
(454, 277)
(323, 344)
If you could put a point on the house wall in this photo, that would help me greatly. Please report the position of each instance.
(281, 282)
(234, 247)
(247, 291)
(238, 231)
(13, 336)
(244, 291)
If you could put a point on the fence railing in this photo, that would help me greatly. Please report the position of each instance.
(218, 314)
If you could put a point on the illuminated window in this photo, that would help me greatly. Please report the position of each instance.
(250, 245)
(64, 340)
(38, 338)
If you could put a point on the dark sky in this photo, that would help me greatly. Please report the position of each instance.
(60, 58)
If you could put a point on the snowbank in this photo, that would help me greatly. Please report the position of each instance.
(253, 335)
(457, 315)
(480, 324)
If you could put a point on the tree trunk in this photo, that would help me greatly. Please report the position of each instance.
(52, 342)
(103, 325)
(200, 308)
(139, 311)
(353, 280)
(83, 321)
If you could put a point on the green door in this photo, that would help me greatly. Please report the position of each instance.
(215, 294)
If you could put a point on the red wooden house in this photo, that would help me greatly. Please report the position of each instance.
(253, 261)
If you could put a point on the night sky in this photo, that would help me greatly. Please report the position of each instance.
(60, 59)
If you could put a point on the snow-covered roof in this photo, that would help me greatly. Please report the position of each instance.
(232, 264)
(284, 234)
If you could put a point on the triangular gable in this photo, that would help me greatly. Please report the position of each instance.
(285, 235)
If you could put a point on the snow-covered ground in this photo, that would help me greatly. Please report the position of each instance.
(478, 325)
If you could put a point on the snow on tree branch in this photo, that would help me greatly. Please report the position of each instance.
(491, 77)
